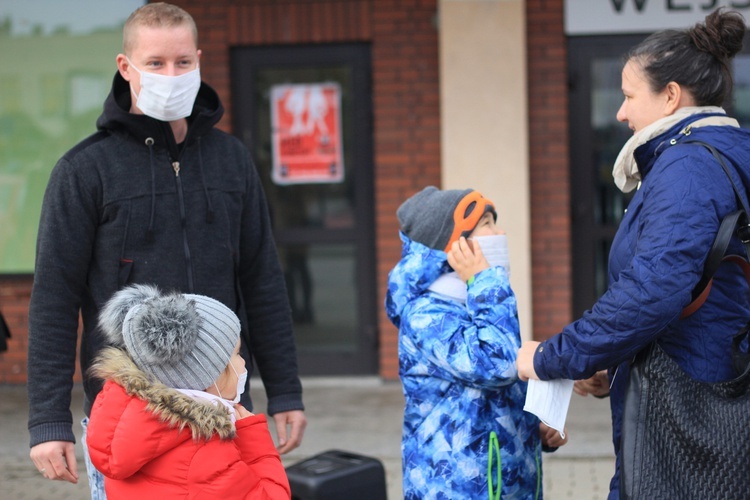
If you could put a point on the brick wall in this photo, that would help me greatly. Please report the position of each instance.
(404, 42)
(407, 131)
(14, 304)
(549, 167)
(15, 293)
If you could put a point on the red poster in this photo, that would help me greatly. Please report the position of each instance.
(306, 129)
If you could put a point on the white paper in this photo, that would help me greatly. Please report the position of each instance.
(549, 400)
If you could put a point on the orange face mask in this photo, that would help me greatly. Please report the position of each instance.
(463, 222)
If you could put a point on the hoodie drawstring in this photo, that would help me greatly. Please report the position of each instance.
(210, 209)
(150, 232)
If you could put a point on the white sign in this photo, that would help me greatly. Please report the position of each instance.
(609, 17)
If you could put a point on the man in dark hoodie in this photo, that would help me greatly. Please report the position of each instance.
(160, 196)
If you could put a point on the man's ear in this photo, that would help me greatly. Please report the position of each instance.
(123, 66)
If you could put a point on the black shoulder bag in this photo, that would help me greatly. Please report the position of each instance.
(681, 438)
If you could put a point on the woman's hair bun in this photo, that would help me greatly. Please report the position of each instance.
(721, 34)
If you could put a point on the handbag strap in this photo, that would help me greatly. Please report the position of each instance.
(738, 221)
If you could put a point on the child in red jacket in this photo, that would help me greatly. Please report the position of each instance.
(167, 423)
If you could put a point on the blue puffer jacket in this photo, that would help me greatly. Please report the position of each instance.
(656, 259)
(464, 403)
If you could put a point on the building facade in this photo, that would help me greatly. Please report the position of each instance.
(512, 97)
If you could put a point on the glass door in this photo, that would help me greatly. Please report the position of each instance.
(323, 221)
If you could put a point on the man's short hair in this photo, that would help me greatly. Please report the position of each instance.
(155, 15)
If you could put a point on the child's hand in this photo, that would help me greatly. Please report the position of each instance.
(241, 412)
(466, 259)
(550, 437)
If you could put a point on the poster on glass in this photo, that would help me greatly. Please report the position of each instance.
(306, 125)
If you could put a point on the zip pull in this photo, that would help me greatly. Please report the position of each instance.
(686, 132)
(176, 168)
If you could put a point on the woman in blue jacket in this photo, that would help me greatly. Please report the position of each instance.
(674, 83)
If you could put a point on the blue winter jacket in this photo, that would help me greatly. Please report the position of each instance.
(464, 424)
(657, 257)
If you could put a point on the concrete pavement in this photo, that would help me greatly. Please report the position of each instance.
(359, 415)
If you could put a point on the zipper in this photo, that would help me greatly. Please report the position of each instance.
(183, 222)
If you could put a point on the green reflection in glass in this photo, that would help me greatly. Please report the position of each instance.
(58, 63)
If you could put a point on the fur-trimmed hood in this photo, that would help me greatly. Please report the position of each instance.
(138, 439)
(174, 408)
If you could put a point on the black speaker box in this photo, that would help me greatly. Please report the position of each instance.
(337, 475)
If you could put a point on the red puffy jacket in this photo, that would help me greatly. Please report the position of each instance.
(153, 442)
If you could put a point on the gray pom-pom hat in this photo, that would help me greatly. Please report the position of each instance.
(184, 340)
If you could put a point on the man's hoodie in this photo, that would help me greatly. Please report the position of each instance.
(128, 205)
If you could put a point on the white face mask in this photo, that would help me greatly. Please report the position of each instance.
(241, 381)
(167, 98)
(495, 250)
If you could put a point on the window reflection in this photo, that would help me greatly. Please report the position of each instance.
(609, 136)
(322, 295)
(58, 63)
(741, 96)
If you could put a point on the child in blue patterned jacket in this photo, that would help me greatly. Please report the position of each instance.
(465, 433)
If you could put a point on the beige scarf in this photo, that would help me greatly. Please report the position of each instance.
(626, 174)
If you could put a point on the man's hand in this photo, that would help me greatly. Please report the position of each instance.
(290, 427)
(597, 385)
(525, 361)
(56, 460)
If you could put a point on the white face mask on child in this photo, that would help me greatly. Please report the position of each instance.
(495, 250)
(241, 381)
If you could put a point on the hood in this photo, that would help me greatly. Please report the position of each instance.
(157, 134)
(174, 408)
(207, 111)
(418, 268)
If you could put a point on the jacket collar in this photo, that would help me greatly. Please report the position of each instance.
(174, 408)
(639, 152)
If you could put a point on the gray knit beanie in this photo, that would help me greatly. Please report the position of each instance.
(437, 218)
(184, 340)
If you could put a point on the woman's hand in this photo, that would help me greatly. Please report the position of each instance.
(525, 361)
